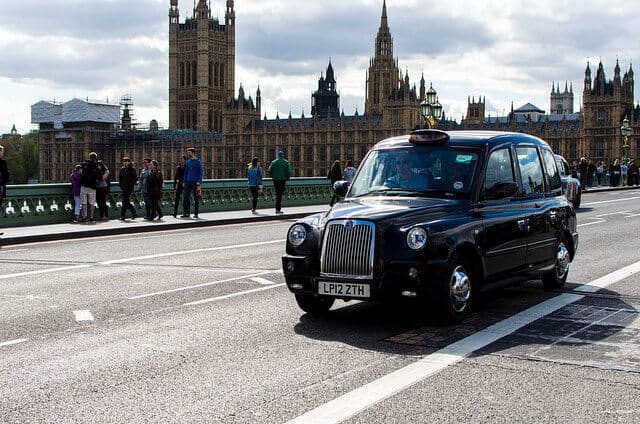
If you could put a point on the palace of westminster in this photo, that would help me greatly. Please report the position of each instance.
(228, 130)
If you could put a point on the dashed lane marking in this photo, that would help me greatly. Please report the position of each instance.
(610, 201)
(262, 281)
(229, 296)
(364, 397)
(83, 315)
(13, 342)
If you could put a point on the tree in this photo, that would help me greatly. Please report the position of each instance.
(21, 154)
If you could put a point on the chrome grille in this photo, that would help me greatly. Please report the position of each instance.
(347, 250)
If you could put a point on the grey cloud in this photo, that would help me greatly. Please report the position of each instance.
(86, 19)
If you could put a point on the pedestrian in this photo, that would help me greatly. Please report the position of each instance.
(4, 177)
(178, 184)
(127, 181)
(583, 167)
(102, 191)
(75, 178)
(349, 172)
(142, 186)
(600, 173)
(192, 184)
(155, 184)
(614, 171)
(335, 174)
(254, 181)
(633, 172)
(591, 172)
(90, 175)
(624, 169)
(280, 171)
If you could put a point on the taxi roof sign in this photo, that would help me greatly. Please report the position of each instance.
(428, 137)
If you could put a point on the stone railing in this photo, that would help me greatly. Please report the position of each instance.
(53, 204)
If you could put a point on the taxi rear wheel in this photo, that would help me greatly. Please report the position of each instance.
(315, 305)
(557, 277)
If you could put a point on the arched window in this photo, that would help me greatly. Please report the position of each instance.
(181, 120)
(194, 72)
(222, 75)
(188, 72)
(210, 121)
(194, 120)
(216, 76)
(181, 74)
(210, 74)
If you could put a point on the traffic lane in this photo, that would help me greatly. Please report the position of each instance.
(236, 360)
(585, 353)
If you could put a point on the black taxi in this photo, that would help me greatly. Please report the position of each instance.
(438, 216)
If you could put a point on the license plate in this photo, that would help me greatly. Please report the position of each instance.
(344, 289)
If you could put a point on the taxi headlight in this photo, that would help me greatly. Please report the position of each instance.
(416, 238)
(297, 235)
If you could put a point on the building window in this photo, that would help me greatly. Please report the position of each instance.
(221, 75)
(216, 75)
(194, 119)
(600, 149)
(181, 74)
(602, 116)
(194, 76)
(210, 74)
(188, 73)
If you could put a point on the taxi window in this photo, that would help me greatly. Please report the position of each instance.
(555, 182)
(499, 168)
(530, 170)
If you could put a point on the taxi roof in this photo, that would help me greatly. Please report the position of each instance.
(470, 138)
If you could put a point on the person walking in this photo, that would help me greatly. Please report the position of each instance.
(600, 173)
(583, 168)
(75, 178)
(192, 184)
(102, 191)
(178, 184)
(142, 186)
(127, 181)
(614, 172)
(155, 184)
(633, 172)
(335, 174)
(4, 177)
(349, 172)
(280, 171)
(90, 175)
(254, 181)
(624, 169)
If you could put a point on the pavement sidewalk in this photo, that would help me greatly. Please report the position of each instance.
(39, 233)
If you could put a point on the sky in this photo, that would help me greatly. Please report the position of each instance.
(503, 50)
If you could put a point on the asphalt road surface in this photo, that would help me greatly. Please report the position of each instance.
(197, 326)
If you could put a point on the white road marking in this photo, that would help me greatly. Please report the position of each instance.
(13, 342)
(13, 250)
(356, 401)
(591, 223)
(229, 296)
(127, 238)
(262, 281)
(83, 315)
(142, 296)
(609, 201)
(139, 258)
(189, 252)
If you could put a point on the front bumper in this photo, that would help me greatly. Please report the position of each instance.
(392, 279)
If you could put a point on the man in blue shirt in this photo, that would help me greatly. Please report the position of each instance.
(192, 183)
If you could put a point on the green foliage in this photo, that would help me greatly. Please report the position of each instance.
(21, 154)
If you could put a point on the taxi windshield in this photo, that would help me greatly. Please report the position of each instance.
(428, 171)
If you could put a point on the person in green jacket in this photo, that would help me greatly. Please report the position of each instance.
(280, 171)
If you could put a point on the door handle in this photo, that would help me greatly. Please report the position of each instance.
(523, 225)
(553, 217)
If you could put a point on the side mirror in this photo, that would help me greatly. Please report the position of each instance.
(501, 191)
(340, 188)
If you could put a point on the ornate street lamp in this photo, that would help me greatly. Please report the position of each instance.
(430, 108)
(625, 130)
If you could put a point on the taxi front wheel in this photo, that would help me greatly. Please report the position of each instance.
(314, 305)
(453, 294)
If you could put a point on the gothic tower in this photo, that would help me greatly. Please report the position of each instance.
(561, 103)
(475, 111)
(605, 105)
(326, 101)
(201, 67)
(383, 74)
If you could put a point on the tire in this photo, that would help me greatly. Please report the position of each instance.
(314, 305)
(454, 292)
(557, 277)
(578, 199)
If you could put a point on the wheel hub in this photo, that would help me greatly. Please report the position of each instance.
(563, 261)
(460, 289)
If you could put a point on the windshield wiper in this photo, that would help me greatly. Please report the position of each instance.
(385, 191)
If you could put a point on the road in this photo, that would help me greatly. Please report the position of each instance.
(197, 326)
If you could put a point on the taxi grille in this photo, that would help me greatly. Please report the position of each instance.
(348, 249)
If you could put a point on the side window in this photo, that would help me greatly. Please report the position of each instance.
(530, 170)
(499, 168)
(552, 170)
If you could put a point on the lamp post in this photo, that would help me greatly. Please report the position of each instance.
(625, 130)
(430, 108)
